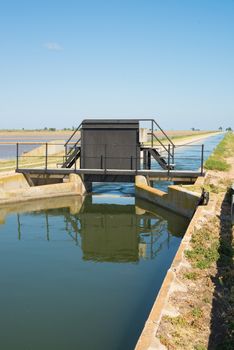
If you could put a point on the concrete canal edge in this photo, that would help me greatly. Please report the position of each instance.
(178, 199)
(15, 188)
(161, 306)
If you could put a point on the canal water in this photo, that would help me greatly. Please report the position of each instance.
(8, 150)
(189, 157)
(83, 273)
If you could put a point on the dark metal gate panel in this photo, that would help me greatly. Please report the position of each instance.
(110, 144)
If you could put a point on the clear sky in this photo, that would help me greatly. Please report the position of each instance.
(64, 60)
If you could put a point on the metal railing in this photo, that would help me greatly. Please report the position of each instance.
(154, 127)
(47, 155)
(68, 152)
(171, 146)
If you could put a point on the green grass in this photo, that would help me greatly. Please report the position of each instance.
(205, 249)
(179, 321)
(225, 149)
(209, 248)
(215, 164)
(193, 276)
(200, 347)
(197, 312)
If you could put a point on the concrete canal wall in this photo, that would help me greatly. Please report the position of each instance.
(15, 188)
(178, 199)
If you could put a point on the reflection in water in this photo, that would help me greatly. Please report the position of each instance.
(75, 267)
(114, 232)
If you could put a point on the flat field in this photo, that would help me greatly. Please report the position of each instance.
(174, 134)
(62, 134)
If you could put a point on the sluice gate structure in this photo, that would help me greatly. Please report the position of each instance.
(106, 150)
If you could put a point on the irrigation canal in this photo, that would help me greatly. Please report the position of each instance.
(84, 276)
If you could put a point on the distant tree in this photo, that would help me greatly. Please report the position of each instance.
(193, 129)
(220, 128)
(229, 129)
(52, 129)
(45, 128)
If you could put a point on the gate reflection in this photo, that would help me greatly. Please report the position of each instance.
(108, 232)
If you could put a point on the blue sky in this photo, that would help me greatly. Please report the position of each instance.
(64, 60)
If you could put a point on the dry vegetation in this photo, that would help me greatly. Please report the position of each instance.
(206, 311)
(60, 133)
(224, 150)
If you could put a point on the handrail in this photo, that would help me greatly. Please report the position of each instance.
(161, 143)
(153, 121)
(73, 134)
(73, 147)
(168, 138)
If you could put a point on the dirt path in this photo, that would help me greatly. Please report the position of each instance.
(192, 139)
(205, 312)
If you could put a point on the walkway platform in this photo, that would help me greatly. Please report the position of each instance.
(115, 175)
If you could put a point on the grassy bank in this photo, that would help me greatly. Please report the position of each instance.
(206, 316)
(224, 150)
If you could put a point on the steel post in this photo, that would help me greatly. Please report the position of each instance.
(202, 159)
(173, 154)
(169, 158)
(101, 161)
(152, 133)
(66, 152)
(105, 158)
(144, 159)
(46, 156)
(17, 155)
(148, 160)
(136, 160)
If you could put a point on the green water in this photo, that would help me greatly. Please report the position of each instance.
(82, 275)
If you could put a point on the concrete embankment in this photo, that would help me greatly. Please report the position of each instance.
(177, 200)
(15, 188)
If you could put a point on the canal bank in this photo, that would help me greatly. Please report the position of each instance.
(193, 308)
